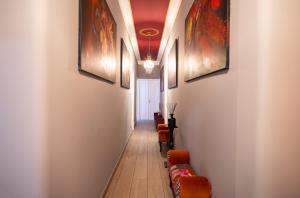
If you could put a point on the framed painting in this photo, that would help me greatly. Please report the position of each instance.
(125, 66)
(162, 79)
(206, 38)
(173, 66)
(97, 40)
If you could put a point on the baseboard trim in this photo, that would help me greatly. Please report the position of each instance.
(116, 166)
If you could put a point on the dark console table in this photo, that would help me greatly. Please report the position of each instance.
(172, 126)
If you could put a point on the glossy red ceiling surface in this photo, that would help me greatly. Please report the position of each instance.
(149, 16)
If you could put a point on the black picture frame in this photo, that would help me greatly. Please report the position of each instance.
(124, 69)
(173, 66)
(162, 78)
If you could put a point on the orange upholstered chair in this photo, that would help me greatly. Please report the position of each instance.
(183, 179)
(160, 120)
(161, 127)
(156, 115)
(163, 136)
(178, 157)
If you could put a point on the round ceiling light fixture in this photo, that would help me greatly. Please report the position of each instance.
(149, 64)
(149, 32)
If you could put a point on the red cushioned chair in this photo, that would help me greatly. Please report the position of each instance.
(161, 127)
(183, 179)
(160, 120)
(156, 115)
(163, 137)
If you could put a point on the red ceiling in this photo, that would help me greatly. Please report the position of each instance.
(149, 14)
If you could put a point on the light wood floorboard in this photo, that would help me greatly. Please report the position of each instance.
(141, 172)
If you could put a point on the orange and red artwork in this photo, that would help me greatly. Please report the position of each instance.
(206, 38)
(97, 39)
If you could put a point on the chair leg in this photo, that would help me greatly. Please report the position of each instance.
(159, 146)
(170, 180)
(168, 145)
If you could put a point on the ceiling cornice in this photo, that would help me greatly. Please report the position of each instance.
(128, 19)
(169, 23)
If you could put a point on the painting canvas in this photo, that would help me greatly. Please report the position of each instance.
(206, 38)
(125, 66)
(173, 66)
(97, 40)
(162, 79)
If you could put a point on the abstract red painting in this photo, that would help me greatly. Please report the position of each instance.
(97, 39)
(206, 38)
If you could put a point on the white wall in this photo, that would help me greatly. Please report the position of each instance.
(61, 132)
(206, 116)
(89, 120)
(278, 160)
(21, 91)
(241, 126)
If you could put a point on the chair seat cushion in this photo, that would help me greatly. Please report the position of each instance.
(180, 170)
(164, 136)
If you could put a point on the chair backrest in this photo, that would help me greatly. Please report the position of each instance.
(178, 157)
(160, 121)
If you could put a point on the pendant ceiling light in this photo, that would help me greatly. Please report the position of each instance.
(148, 63)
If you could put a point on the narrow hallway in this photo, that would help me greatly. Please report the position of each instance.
(141, 171)
(91, 89)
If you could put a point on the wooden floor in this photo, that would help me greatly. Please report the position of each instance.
(141, 172)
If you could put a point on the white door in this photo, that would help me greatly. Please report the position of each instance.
(154, 94)
(143, 100)
(148, 98)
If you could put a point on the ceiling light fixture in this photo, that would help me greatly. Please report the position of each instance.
(149, 64)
